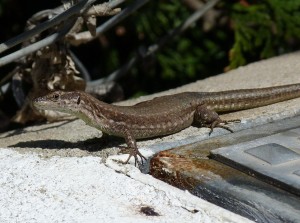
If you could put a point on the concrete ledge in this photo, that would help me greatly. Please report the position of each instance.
(82, 189)
(54, 172)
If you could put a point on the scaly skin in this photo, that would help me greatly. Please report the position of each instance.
(162, 115)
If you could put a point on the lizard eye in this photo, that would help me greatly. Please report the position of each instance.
(55, 97)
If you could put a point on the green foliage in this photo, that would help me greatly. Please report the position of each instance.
(264, 29)
(177, 59)
(189, 56)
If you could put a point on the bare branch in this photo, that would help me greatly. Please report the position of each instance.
(102, 10)
(35, 46)
(90, 17)
(79, 8)
(84, 37)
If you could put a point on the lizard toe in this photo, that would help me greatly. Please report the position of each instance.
(139, 159)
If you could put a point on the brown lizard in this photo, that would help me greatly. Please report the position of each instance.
(162, 115)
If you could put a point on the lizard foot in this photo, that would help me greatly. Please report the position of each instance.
(209, 118)
(222, 124)
(137, 155)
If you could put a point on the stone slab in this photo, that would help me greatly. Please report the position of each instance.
(274, 159)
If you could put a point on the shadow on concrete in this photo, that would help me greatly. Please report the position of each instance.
(20, 131)
(90, 145)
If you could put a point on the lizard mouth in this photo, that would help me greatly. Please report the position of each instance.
(43, 103)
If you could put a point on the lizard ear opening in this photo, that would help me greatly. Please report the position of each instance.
(78, 100)
(55, 97)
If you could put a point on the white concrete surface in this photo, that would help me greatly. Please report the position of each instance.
(73, 189)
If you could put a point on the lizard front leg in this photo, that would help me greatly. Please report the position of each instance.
(131, 143)
(209, 118)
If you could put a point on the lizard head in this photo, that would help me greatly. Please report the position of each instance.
(62, 101)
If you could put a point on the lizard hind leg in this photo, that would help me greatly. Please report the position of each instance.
(209, 118)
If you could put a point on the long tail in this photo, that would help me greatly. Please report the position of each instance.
(235, 100)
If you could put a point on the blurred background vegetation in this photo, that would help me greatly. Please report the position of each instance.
(233, 34)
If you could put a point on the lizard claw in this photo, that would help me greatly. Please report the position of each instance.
(209, 118)
(222, 124)
(137, 155)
